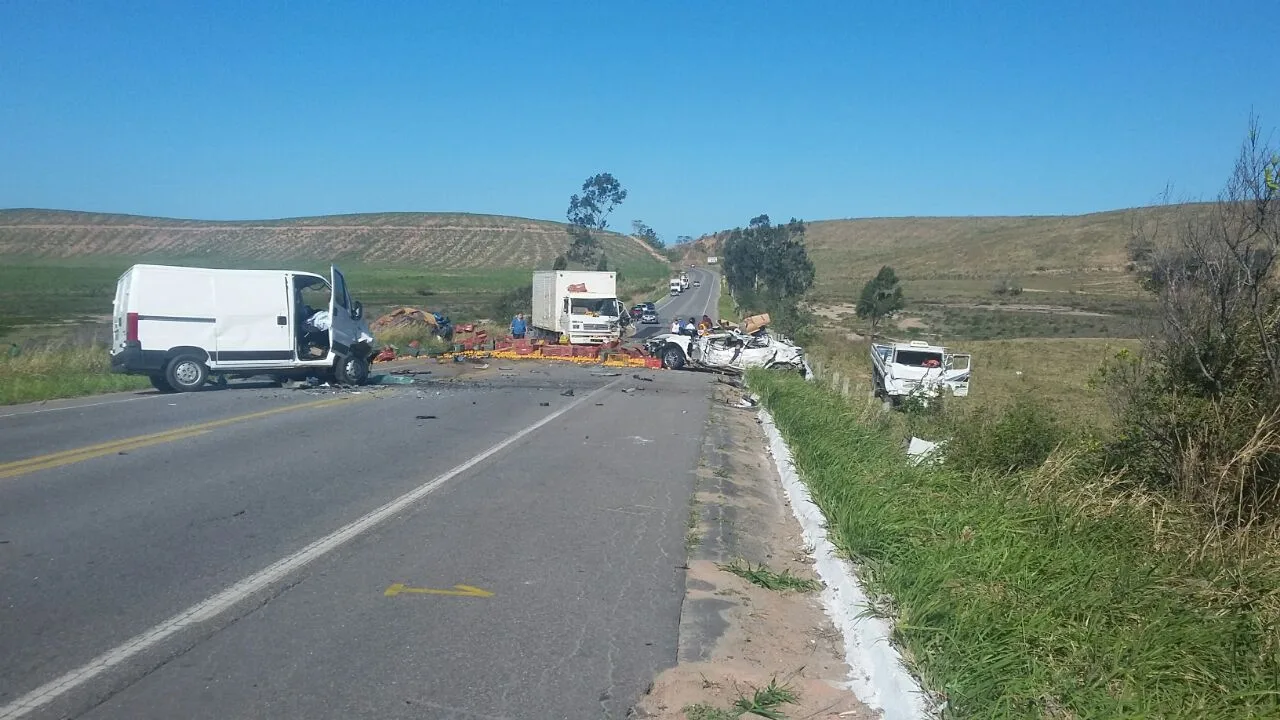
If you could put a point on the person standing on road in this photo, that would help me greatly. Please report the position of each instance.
(675, 326)
(518, 327)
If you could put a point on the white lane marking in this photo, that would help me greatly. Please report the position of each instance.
(78, 407)
(225, 600)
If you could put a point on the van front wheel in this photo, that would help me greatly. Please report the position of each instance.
(352, 370)
(186, 373)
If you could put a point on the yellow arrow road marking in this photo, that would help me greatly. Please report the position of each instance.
(75, 455)
(457, 591)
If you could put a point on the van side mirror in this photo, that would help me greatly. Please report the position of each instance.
(357, 310)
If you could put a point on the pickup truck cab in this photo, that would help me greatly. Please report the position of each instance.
(901, 370)
(181, 325)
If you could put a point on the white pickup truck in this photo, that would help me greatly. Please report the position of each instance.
(918, 369)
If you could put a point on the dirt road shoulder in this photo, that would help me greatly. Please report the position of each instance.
(742, 642)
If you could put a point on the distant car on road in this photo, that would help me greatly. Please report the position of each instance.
(697, 283)
(649, 318)
(637, 310)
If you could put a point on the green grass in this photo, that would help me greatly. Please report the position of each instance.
(45, 299)
(765, 702)
(768, 579)
(1047, 593)
(61, 372)
(726, 308)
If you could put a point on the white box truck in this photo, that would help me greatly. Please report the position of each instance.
(676, 286)
(578, 304)
(180, 325)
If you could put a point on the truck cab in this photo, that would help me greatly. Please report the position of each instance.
(676, 286)
(917, 368)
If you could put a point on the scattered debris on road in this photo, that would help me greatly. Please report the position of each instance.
(424, 417)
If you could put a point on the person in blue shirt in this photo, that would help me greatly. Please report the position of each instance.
(518, 326)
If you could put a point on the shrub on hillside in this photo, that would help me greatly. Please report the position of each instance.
(1199, 410)
(1020, 437)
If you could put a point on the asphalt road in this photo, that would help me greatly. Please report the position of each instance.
(492, 547)
(693, 303)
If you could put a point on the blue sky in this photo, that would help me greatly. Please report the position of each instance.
(708, 112)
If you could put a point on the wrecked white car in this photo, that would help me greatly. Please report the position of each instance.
(727, 351)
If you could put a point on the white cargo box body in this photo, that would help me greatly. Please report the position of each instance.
(580, 304)
(232, 322)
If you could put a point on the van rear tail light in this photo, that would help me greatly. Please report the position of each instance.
(131, 327)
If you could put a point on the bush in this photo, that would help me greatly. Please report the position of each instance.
(1007, 286)
(1020, 437)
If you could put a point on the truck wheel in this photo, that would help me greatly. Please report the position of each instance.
(672, 357)
(352, 370)
(159, 382)
(186, 373)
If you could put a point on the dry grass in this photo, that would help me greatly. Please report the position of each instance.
(1056, 370)
(437, 241)
(961, 248)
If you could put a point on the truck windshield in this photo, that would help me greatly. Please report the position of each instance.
(918, 358)
(594, 306)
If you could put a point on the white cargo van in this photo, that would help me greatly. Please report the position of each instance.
(179, 325)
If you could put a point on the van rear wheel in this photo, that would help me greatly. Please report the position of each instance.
(186, 373)
(159, 382)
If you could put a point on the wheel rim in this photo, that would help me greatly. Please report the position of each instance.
(673, 357)
(352, 369)
(187, 372)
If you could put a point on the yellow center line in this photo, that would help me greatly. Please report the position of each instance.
(75, 455)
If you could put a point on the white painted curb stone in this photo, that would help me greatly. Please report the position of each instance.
(876, 673)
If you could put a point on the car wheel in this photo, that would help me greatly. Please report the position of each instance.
(672, 357)
(186, 373)
(159, 382)
(352, 370)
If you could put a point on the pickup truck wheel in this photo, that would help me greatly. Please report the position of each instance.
(672, 357)
(186, 373)
(159, 382)
(352, 370)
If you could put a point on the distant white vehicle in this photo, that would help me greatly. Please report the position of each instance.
(903, 370)
(677, 287)
(180, 325)
(727, 351)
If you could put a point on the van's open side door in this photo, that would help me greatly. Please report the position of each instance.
(343, 327)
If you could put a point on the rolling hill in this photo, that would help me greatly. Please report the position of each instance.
(1052, 248)
(445, 241)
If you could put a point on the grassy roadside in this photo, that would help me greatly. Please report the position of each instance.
(61, 372)
(1035, 594)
